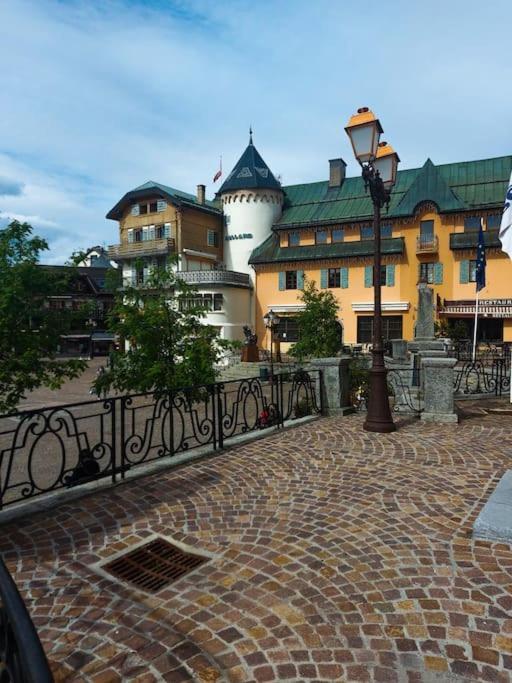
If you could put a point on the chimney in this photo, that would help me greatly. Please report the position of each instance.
(200, 193)
(337, 168)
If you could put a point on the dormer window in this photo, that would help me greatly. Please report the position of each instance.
(148, 207)
(321, 237)
(293, 239)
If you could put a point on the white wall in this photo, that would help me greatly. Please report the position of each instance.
(246, 213)
(235, 314)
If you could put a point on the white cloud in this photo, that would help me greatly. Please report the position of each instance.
(102, 95)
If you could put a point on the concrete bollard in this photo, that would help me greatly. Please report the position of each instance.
(335, 385)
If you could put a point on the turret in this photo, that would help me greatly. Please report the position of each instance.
(252, 201)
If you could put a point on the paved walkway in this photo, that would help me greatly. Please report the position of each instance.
(338, 556)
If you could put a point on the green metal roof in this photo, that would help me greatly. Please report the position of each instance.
(464, 186)
(271, 251)
(175, 196)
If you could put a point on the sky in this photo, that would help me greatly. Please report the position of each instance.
(100, 96)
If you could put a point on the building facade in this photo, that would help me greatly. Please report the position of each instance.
(250, 250)
(429, 232)
(212, 240)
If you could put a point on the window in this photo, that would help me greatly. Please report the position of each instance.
(427, 272)
(471, 223)
(334, 277)
(218, 302)
(367, 232)
(382, 276)
(138, 235)
(386, 231)
(472, 271)
(213, 238)
(287, 329)
(493, 221)
(291, 279)
(391, 328)
(321, 237)
(337, 235)
(293, 239)
(153, 207)
(207, 301)
(159, 232)
(143, 208)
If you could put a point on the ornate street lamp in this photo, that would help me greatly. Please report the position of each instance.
(379, 165)
(271, 321)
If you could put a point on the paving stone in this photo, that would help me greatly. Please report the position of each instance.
(337, 555)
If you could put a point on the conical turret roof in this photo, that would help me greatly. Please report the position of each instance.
(250, 173)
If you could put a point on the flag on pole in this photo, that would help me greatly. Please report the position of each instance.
(505, 234)
(480, 259)
(219, 172)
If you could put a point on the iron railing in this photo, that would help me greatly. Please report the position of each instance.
(53, 448)
(405, 386)
(483, 376)
(22, 659)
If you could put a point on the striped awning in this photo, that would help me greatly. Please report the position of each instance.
(491, 308)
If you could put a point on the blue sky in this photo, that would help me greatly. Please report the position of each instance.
(99, 96)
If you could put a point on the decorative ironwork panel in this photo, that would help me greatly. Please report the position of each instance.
(22, 659)
(44, 450)
(483, 377)
(405, 388)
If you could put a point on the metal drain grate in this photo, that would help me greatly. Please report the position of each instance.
(154, 565)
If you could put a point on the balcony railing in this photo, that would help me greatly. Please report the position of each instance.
(213, 277)
(127, 250)
(427, 245)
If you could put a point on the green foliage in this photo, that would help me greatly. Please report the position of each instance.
(442, 328)
(319, 329)
(458, 331)
(302, 408)
(359, 373)
(170, 346)
(29, 330)
(76, 257)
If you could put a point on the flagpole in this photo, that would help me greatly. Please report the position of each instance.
(475, 326)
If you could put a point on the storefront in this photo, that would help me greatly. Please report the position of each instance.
(494, 318)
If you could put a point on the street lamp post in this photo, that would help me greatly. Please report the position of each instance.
(379, 165)
(271, 321)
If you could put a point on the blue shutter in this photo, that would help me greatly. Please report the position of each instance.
(324, 278)
(167, 230)
(300, 279)
(130, 235)
(464, 272)
(135, 210)
(390, 275)
(161, 204)
(368, 276)
(438, 273)
(344, 278)
(282, 280)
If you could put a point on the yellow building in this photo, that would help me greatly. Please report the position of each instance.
(429, 231)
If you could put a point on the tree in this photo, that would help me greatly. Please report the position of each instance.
(319, 329)
(29, 330)
(169, 345)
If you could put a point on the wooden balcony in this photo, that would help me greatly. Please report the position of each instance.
(427, 245)
(133, 250)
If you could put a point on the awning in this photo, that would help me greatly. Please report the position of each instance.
(490, 308)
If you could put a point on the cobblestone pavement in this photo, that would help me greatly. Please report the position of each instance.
(339, 555)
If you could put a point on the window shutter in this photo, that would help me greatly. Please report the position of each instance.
(167, 230)
(161, 204)
(135, 210)
(438, 273)
(282, 280)
(130, 235)
(324, 278)
(133, 277)
(368, 276)
(390, 275)
(464, 272)
(146, 271)
(300, 279)
(144, 233)
(344, 278)
(151, 232)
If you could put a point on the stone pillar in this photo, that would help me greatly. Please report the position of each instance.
(438, 389)
(424, 328)
(399, 349)
(335, 385)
